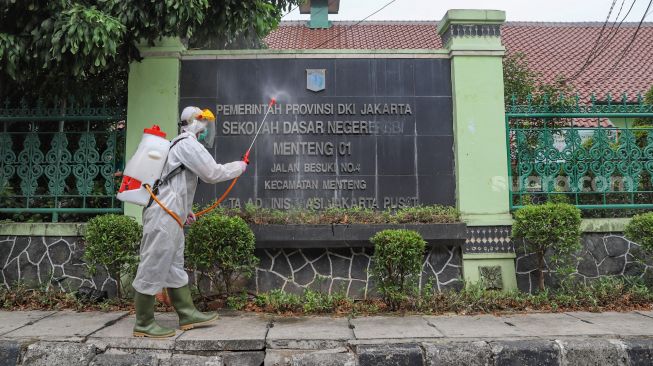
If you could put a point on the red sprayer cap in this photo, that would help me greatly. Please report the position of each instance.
(155, 130)
(129, 183)
(272, 102)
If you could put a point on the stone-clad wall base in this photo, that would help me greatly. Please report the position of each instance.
(602, 254)
(570, 351)
(345, 270)
(37, 261)
(41, 261)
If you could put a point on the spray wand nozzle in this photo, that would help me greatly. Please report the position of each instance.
(272, 102)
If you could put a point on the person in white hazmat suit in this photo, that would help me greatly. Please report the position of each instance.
(162, 247)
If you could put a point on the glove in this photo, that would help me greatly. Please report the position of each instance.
(243, 166)
(191, 218)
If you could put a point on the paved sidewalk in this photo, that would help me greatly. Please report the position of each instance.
(69, 338)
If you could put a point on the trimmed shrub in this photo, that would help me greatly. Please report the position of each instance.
(221, 248)
(113, 241)
(397, 258)
(550, 226)
(640, 230)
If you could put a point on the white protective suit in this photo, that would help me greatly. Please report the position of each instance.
(162, 248)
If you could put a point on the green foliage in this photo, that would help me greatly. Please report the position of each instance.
(640, 230)
(646, 122)
(355, 215)
(604, 293)
(237, 302)
(518, 79)
(22, 297)
(426, 215)
(309, 302)
(279, 301)
(222, 248)
(397, 258)
(87, 32)
(113, 241)
(67, 44)
(320, 302)
(520, 83)
(551, 227)
(558, 198)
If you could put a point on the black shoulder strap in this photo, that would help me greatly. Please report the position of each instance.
(176, 141)
(160, 181)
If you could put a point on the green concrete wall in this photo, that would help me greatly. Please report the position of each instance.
(153, 97)
(482, 194)
(480, 140)
(472, 262)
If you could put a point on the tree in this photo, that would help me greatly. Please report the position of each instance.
(520, 82)
(518, 79)
(549, 228)
(85, 46)
(647, 99)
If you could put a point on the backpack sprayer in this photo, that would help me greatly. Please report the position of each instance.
(145, 167)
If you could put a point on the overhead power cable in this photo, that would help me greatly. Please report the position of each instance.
(628, 46)
(605, 45)
(590, 56)
(615, 30)
(291, 10)
(353, 25)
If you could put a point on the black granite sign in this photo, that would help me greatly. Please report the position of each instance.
(374, 133)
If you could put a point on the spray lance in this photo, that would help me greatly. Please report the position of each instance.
(245, 158)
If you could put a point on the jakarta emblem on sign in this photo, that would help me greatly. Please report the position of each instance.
(315, 79)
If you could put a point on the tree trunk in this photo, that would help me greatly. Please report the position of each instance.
(540, 270)
(227, 282)
(118, 284)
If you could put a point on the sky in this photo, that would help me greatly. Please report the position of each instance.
(516, 10)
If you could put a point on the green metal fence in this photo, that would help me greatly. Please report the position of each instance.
(59, 162)
(596, 155)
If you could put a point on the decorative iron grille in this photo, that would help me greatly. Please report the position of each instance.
(60, 161)
(596, 155)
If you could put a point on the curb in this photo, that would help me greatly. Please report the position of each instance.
(633, 351)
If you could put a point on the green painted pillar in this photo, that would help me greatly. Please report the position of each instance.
(473, 40)
(153, 96)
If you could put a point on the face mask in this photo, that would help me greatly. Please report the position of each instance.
(203, 136)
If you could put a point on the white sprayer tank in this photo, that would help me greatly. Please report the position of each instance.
(144, 167)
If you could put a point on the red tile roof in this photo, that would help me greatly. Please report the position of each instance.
(347, 35)
(559, 49)
(552, 49)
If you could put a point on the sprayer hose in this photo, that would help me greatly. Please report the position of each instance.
(174, 216)
(219, 200)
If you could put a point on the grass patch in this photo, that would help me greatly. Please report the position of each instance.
(604, 294)
(21, 297)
